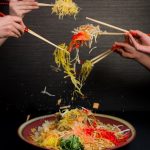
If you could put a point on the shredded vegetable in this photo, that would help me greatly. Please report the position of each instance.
(78, 40)
(72, 143)
(62, 59)
(84, 34)
(65, 7)
(85, 71)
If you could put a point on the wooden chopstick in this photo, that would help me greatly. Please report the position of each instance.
(111, 26)
(111, 33)
(106, 24)
(43, 39)
(39, 4)
(45, 5)
(102, 57)
(37, 35)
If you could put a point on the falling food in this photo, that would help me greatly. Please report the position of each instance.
(65, 107)
(28, 117)
(92, 49)
(90, 31)
(59, 102)
(62, 59)
(47, 93)
(78, 40)
(65, 7)
(86, 35)
(56, 69)
(85, 71)
(88, 65)
(96, 105)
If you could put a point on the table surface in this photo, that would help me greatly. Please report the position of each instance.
(10, 122)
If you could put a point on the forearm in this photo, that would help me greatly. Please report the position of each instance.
(144, 59)
(2, 40)
(145, 49)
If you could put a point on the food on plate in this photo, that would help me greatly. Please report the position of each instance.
(78, 129)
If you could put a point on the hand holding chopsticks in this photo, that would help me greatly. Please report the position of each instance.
(36, 35)
(20, 8)
(142, 37)
(39, 4)
(10, 26)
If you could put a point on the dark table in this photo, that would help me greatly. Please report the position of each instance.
(11, 120)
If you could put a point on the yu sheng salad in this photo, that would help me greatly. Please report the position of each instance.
(78, 129)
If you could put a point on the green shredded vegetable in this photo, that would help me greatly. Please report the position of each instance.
(72, 143)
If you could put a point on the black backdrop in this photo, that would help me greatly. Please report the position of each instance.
(117, 84)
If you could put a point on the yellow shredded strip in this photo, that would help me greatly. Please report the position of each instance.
(85, 71)
(65, 7)
(62, 59)
(51, 140)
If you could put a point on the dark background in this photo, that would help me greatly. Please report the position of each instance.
(121, 86)
(118, 84)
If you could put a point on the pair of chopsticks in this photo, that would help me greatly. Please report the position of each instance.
(107, 52)
(106, 24)
(101, 56)
(111, 26)
(37, 35)
(39, 4)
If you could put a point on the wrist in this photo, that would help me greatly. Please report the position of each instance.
(138, 56)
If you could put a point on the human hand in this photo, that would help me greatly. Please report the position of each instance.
(11, 26)
(20, 8)
(126, 50)
(139, 40)
(143, 38)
